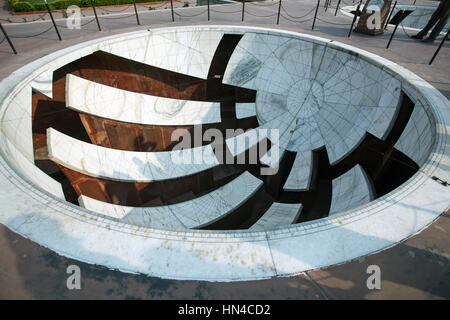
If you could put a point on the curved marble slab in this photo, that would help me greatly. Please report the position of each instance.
(170, 49)
(350, 190)
(273, 157)
(245, 141)
(30, 171)
(278, 215)
(245, 110)
(299, 177)
(195, 213)
(132, 166)
(279, 131)
(417, 138)
(108, 102)
(328, 97)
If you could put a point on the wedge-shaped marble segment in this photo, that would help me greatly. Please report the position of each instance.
(417, 138)
(108, 102)
(299, 178)
(244, 141)
(195, 213)
(278, 215)
(328, 97)
(245, 110)
(120, 165)
(154, 217)
(350, 190)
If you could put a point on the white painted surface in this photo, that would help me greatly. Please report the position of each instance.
(278, 215)
(121, 165)
(126, 106)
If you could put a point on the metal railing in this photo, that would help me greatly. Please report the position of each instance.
(246, 8)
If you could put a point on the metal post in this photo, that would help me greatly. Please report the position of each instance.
(243, 9)
(440, 46)
(390, 15)
(392, 36)
(135, 10)
(337, 8)
(315, 14)
(354, 20)
(95, 13)
(279, 9)
(208, 10)
(7, 39)
(171, 8)
(53, 20)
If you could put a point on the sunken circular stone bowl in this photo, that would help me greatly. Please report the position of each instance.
(319, 94)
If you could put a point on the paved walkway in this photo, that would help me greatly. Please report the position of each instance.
(418, 268)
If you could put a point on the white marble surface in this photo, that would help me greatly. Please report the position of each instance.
(278, 215)
(74, 232)
(350, 190)
(121, 165)
(108, 102)
(417, 138)
(299, 178)
(44, 83)
(242, 142)
(245, 110)
(273, 157)
(29, 170)
(195, 213)
(16, 122)
(171, 49)
(324, 96)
